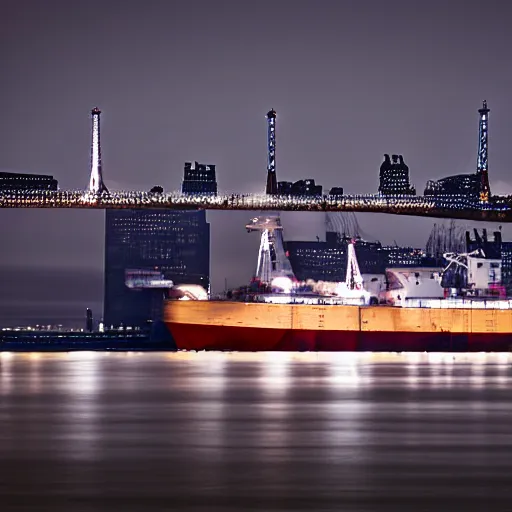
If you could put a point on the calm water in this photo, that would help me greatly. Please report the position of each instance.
(212, 431)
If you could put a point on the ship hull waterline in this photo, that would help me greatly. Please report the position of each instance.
(229, 326)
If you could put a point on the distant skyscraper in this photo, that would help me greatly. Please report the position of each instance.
(88, 320)
(199, 179)
(16, 181)
(175, 243)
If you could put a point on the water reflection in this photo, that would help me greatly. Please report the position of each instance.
(194, 431)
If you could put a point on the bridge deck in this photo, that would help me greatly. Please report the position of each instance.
(499, 209)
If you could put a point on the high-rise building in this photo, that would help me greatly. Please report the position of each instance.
(199, 179)
(394, 177)
(17, 181)
(143, 247)
(174, 243)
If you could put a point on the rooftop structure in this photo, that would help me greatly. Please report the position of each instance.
(394, 177)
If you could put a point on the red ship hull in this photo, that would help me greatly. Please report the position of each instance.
(207, 337)
(205, 325)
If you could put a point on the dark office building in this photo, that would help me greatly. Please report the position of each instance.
(394, 177)
(306, 187)
(467, 184)
(16, 181)
(175, 243)
(199, 179)
(327, 261)
(336, 191)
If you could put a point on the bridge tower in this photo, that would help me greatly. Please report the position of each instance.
(96, 185)
(481, 167)
(272, 259)
(271, 152)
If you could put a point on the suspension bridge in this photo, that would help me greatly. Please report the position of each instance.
(457, 204)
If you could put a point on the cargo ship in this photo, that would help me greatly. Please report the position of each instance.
(407, 309)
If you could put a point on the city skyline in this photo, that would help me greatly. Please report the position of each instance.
(193, 82)
(96, 182)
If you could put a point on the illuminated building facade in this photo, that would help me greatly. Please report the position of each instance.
(506, 266)
(467, 184)
(394, 177)
(199, 179)
(175, 243)
(17, 181)
(327, 261)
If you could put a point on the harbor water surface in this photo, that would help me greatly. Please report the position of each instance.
(89, 431)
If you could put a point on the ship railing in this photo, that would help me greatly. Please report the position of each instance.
(458, 303)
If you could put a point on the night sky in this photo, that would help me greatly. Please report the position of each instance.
(177, 81)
